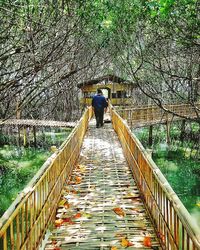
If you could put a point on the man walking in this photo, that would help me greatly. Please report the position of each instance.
(99, 103)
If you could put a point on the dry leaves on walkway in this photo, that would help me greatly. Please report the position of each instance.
(114, 248)
(126, 243)
(119, 211)
(78, 215)
(78, 179)
(64, 203)
(60, 222)
(162, 237)
(147, 241)
(81, 168)
(55, 245)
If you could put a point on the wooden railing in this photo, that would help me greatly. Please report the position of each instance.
(141, 116)
(24, 224)
(114, 101)
(171, 219)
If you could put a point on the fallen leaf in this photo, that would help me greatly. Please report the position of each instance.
(67, 206)
(68, 220)
(113, 248)
(119, 211)
(74, 191)
(78, 215)
(58, 222)
(126, 243)
(86, 215)
(131, 195)
(162, 237)
(62, 202)
(82, 168)
(78, 179)
(147, 241)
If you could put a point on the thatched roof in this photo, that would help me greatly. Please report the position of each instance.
(106, 78)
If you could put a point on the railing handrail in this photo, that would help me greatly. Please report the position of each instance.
(182, 213)
(149, 107)
(178, 205)
(22, 205)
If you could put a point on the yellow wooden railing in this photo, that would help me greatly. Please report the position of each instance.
(138, 116)
(171, 219)
(114, 101)
(24, 224)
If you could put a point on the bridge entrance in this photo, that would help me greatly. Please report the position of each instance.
(106, 92)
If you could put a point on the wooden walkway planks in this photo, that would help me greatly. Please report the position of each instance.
(99, 183)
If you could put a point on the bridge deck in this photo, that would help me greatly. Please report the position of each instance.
(101, 187)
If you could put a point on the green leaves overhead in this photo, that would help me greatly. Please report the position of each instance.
(44, 43)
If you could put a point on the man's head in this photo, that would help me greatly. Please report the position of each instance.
(99, 92)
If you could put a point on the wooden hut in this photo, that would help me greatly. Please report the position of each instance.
(116, 89)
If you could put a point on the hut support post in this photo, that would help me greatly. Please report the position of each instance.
(182, 130)
(168, 139)
(34, 136)
(150, 135)
(19, 139)
(25, 136)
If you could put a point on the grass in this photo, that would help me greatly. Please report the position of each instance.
(178, 164)
(18, 165)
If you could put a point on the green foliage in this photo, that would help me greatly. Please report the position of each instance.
(159, 136)
(4, 139)
(183, 175)
(177, 164)
(106, 17)
(17, 167)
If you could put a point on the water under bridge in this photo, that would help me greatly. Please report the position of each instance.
(100, 190)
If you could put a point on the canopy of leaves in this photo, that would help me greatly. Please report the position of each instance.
(47, 47)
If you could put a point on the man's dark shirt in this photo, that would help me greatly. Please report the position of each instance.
(99, 102)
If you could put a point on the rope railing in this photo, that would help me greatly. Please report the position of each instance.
(24, 224)
(172, 221)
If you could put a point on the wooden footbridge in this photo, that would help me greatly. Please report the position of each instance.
(36, 123)
(150, 115)
(100, 190)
